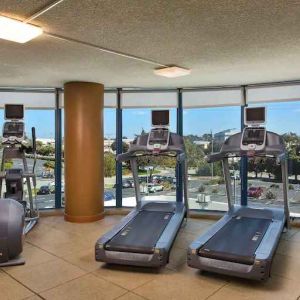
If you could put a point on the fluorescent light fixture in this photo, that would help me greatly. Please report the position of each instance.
(17, 31)
(172, 72)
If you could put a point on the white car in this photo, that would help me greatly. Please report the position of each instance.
(153, 188)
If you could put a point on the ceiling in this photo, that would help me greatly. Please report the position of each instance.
(224, 42)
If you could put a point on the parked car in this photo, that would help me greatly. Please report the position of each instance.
(255, 192)
(44, 190)
(108, 196)
(47, 174)
(153, 188)
(127, 184)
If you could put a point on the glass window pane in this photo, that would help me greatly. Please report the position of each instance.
(205, 130)
(283, 119)
(156, 175)
(43, 121)
(109, 157)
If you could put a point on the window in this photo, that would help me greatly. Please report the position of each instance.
(39, 113)
(265, 175)
(44, 123)
(109, 156)
(156, 175)
(205, 130)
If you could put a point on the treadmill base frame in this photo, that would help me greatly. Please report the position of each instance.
(261, 268)
(160, 255)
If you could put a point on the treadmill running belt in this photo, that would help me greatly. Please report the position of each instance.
(141, 234)
(237, 241)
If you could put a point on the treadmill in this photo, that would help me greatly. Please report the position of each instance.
(243, 242)
(145, 236)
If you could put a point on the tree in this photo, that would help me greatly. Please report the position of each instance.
(292, 141)
(45, 150)
(109, 165)
(49, 164)
(194, 153)
(125, 146)
(256, 165)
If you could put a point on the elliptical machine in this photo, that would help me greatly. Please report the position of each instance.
(17, 215)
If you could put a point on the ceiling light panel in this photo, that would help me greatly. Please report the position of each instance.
(17, 31)
(172, 72)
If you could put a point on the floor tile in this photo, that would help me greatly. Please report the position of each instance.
(290, 233)
(197, 226)
(46, 275)
(35, 297)
(131, 296)
(289, 248)
(295, 237)
(11, 289)
(84, 260)
(33, 256)
(85, 287)
(126, 276)
(286, 266)
(184, 239)
(274, 288)
(188, 284)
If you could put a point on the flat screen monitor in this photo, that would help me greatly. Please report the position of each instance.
(160, 118)
(255, 115)
(14, 111)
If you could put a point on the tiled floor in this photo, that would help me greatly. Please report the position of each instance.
(60, 265)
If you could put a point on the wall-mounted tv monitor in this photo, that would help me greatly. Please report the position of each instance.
(14, 111)
(255, 115)
(160, 118)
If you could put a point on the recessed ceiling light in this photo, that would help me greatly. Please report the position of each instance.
(172, 72)
(17, 31)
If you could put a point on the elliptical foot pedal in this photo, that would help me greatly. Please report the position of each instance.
(13, 262)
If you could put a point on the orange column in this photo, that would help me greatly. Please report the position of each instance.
(83, 148)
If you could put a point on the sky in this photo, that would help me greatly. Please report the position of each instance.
(281, 118)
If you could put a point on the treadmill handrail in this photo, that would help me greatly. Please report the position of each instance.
(280, 156)
(179, 153)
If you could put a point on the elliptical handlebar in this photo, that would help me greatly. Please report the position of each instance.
(33, 140)
(33, 147)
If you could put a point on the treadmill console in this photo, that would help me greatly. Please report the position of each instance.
(254, 136)
(159, 136)
(13, 130)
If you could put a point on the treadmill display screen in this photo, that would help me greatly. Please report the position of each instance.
(13, 129)
(14, 111)
(159, 136)
(160, 118)
(254, 136)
